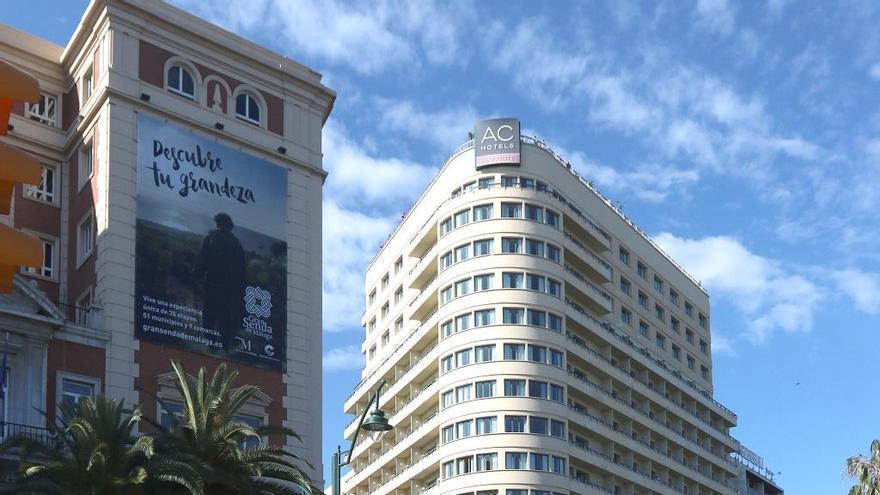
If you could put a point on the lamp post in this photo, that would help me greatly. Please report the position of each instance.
(375, 422)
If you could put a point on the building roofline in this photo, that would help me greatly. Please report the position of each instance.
(37, 46)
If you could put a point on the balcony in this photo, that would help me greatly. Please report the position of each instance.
(35, 433)
(586, 261)
(584, 291)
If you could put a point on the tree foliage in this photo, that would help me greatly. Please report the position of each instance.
(866, 471)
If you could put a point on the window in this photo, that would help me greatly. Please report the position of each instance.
(661, 341)
(509, 181)
(386, 308)
(554, 287)
(386, 338)
(372, 297)
(704, 372)
(690, 362)
(484, 282)
(511, 280)
(673, 297)
(463, 287)
(372, 325)
(180, 81)
(511, 210)
(170, 411)
(537, 389)
(540, 462)
(526, 183)
(553, 253)
(689, 335)
(511, 245)
(534, 247)
(514, 387)
(447, 434)
(704, 322)
(537, 353)
(463, 429)
(688, 309)
(482, 212)
(643, 328)
(462, 358)
(676, 326)
(659, 312)
(487, 462)
(463, 393)
(623, 254)
(44, 110)
(45, 191)
(513, 316)
(676, 352)
(462, 322)
(385, 280)
(75, 390)
(462, 252)
(625, 286)
(538, 425)
(556, 358)
(642, 270)
(372, 353)
(643, 300)
(47, 269)
(448, 398)
(552, 218)
(559, 465)
(535, 213)
(535, 282)
(448, 469)
(446, 328)
(445, 226)
(537, 318)
(484, 317)
(514, 424)
(462, 218)
(85, 237)
(482, 247)
(464, 465)
(247, 108)
(658, 284)
(516, 491)
(483, 353)
(398, 265)
(557, 393)
(446, 260)
(626, 316)
(86, 164)
(398, 295)
(86, 85)
(446, 364)
(554, 322)
(557, 428)
(704, 347)
(486, 425)
(515, 460)
(485, 389)
(515, 352)
(485, 183)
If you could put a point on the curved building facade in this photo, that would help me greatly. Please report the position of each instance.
(534, 342)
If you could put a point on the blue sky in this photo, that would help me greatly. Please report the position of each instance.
(744, 136)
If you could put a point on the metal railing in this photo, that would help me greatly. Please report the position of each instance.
(35, 433)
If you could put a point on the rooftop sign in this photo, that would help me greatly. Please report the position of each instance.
(496, 142)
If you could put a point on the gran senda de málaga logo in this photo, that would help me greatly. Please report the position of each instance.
(258, 301)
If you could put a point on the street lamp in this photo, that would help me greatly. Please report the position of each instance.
(377, 421)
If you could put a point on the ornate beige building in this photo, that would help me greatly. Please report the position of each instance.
(534, 342)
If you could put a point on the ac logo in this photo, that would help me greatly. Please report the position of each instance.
(497, 142)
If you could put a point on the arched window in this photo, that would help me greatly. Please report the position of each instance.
(180, 81)
(247, 108)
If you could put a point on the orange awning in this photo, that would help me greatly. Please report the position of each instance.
(16, 166)
(15, 85)
(18, 248)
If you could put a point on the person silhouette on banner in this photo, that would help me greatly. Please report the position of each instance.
(221, 267)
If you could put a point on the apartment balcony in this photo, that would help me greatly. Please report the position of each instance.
(582, 259)
(427, 239)
(35, 433)
(586, 231)
(425, 270)
(582, 291)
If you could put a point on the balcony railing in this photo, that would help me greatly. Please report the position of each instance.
(34, 433)
(578, 275)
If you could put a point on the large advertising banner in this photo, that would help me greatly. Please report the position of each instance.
(211, 250)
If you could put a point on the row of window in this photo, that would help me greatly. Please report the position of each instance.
(179, 80)
(506, 181)
(509, 280)
(487, 425)
(513, 387)
(509, 245)
(512, 460)
(512, 352)
(486, 211)
(510, 316)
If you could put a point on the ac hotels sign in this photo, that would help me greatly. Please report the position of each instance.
(496, 142)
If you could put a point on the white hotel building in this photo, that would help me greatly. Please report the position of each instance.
(535, 342)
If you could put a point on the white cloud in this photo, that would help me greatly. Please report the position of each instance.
(446, 128)
(769, 296)
(863, 288)
(874, 71)
(715, 15)
(347, 358)
(722, 345)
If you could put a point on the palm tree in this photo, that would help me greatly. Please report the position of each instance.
(866, 471)
(210, 437)
(96, 453)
